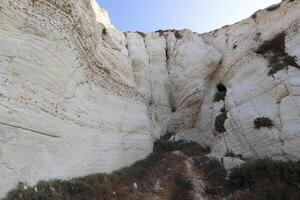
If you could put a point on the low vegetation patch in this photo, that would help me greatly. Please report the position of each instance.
(190, 149)
(256, 179)
(161, 32)
(177, 35)
(263, 122)
(254, 15)
(215, 175)
(141, 33)
(230, 153)
(182, 188)
(261, 179)
(273, 7)
(221, 93)
(104, 31)
(274, 51)
(266, 179)
(220, 121)
(183, 183)
(162, 164)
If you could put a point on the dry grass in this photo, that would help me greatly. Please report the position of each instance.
(262, 179)
(161, 165)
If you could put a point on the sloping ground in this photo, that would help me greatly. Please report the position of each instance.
(176, 171)
(168, 173)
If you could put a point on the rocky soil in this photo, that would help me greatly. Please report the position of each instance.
(177, 171)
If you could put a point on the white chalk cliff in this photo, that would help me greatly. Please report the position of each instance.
(77, 96)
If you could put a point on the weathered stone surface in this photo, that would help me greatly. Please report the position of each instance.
(229, 162)
(251, 93)
(67, 102)
(78, 97)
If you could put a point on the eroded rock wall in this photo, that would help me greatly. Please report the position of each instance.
(68, 106)
(253, 89)
(256, 60)
(78, 97)
(172, 70)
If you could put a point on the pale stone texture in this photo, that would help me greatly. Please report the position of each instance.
(79, 97)
(68, 107)
(229, 163)
(251, 93)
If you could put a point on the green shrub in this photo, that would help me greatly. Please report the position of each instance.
(267, 190)
(219, 96)
(161, 32)
(215, 174)
(265, 179)
(254, 15)
(182, 188)
(177, 35)
(141, 33)
(221, 93)
(263, 122)
(230, 153)
(104, 31)
(161, 146)
(266, 169)
(189, 148)
(220, 122)
(274, 51)
(183, 183)
(273, 7)
(261, 179)
(192, 149)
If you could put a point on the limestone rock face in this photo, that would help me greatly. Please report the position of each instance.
(253, 90)
(229, 163)
(79, 97)
(68, 106)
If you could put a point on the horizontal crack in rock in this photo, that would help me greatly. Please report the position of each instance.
(28, 129)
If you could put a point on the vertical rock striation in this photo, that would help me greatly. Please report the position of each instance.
(78, 97)
(68, 105)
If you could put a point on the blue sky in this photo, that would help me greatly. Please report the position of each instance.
(197, 15)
